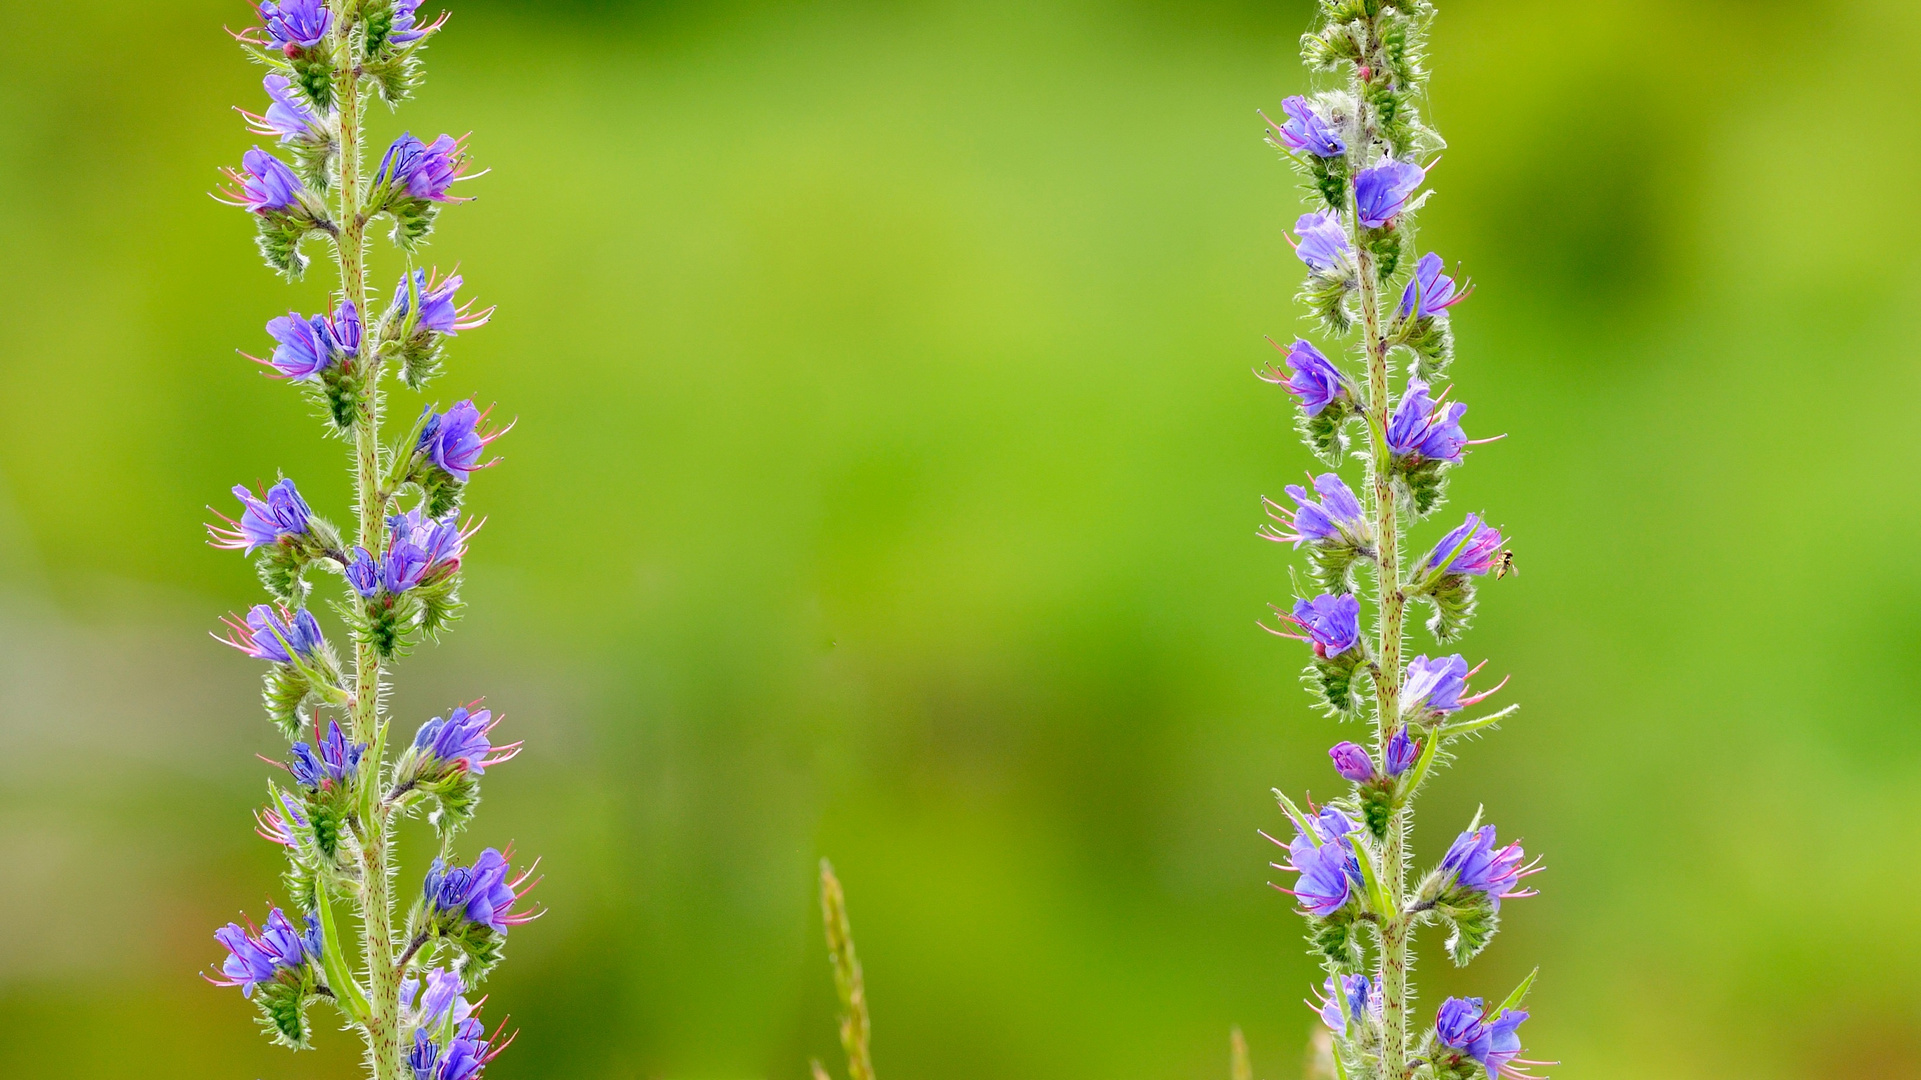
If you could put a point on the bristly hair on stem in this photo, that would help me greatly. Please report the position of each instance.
(854, 1027)
(1364, 153)
(400, 571)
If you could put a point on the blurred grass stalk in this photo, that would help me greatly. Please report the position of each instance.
(854, 1027)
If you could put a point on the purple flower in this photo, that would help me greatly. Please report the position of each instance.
(1458, 1023)
(1424, 428)
(1329, 869)
(1435, 685)
(461, 741)
(363, 573)
(404, 31)
(1504, 1044)
(438, 312)
(306, 346)
(281, 515)
(336, 762)
(278, 826)
(480, 894)
(443, 996)
(297, 24)
(257, 955)
(1324, 245)
(269, 635)
(402, 567)
(344, 328)
(1479, 865)
(290, 116)
(267, 185)
(1305, 130)
(454, 441)
(424, 170)
(1360, 996)
(1471, 548)
(1352, 762)
(1336, 519)
(1314, 380)
(1332, 622)
(439, 539)
(1431, 289)
(1402, 752)
(1381, 193)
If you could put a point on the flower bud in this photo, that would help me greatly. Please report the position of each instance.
(1352, 762)
(1402, 752)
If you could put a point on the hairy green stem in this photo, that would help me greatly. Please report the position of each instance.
(1390, 602)
(376, 894)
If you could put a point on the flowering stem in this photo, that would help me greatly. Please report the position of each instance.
(376, 900)
(1391, 602)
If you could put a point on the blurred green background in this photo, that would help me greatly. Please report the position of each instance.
(885, 488)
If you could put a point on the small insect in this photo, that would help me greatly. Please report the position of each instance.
(1504, 565)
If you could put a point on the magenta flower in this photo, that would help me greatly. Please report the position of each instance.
(1470, 548)
(1314, 380)
(1305, 130)
(1497, 872)
(1433, 291)
(1381, 193)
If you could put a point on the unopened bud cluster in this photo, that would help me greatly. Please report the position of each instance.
(398, 972)
(1376, 389)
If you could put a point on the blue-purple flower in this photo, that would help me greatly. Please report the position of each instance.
(462, 1058)
(259, 954)
(405, 30)
(305, 346)
(1314, 380)
(363, 573)
(1423, 428)
(454, 441)
(1330, 871)
(1305, 130)
(1433, 687)
(423, 171)
(1497, 872)
(443, 996)
(290, 116)
(297, 24)
(275, 636)
(438, 312)
(265, 186)
(460, 741)
(1472, 547)
(419, 548)
(1495, 1044)
(336, 762)
(481, 893)
(1433, 291)
(1381, 193)
(282, 514)
(1344, 999)
(1403, 750)
(1323, 244)
(1332, 622)
(1351, 760)
(1336, 519)
(278, 826)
